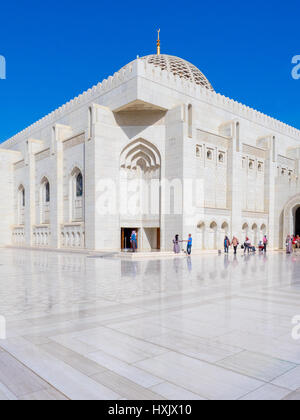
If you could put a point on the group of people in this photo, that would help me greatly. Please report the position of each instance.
(176, 244)
(247, 245)
(292, 243)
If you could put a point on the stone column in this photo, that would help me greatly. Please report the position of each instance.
(103, 231)
(56, 187)
(33, 146)
(173, 174)
(234, 193)
(270, 203)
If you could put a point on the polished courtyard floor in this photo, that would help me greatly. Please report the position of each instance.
(209, 327)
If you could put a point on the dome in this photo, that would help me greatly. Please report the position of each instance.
(179, 67)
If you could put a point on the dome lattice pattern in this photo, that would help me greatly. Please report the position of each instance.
(179, 67)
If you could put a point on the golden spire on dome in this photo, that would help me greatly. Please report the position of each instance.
(158, 43)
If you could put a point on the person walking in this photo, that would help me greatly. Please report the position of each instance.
(289, 245)
(133, 241)
(235, 244)
(189, 245)
(265, 243)
(247, 245)
(176, 247)
(226, 244)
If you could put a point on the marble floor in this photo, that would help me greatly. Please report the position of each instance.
(208, 327)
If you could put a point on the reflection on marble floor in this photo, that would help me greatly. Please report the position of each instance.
(209, 327)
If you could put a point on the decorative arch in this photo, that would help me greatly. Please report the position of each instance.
(139, 152)
(254, 229)
(201, 225)
(213, 224)
(224, 232)
(225, 226)
(263, 230)
(213, 235)
(245, 229)
(140, 162)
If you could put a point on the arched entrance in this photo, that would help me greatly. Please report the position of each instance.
(291, 218)
(297, 221)
(213, 232)
(140, 194)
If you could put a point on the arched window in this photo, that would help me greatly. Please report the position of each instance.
(263, 229)
(209, 155)
(254, 234)
(45, 201)
(190, 121)
(201, 225)
(21, 205)
(23, 197)
(79, 185)
(213, 241)
(245, 229)
(225, 228)
(47, 192)
(237, 136)
(76, 195)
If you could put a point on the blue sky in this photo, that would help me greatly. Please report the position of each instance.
(56, 50)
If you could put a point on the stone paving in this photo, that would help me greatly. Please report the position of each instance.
(206, 327)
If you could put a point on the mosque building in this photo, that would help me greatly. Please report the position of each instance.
(154, 149)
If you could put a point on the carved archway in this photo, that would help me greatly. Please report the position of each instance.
(289, 214)
(140, 192)
(140, 151)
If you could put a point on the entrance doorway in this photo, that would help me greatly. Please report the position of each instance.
(125, 238)
(297, 222)
(151, 239)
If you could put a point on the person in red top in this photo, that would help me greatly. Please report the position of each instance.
(265, 242)
(294, 243)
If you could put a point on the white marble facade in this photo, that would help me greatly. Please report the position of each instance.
(157, 121)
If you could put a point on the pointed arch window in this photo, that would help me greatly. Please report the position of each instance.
(47, 192)
(76, 200)
(23, 197)
(79, 185)
(21, 205)
(45, 201)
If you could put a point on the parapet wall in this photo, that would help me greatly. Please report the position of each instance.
(141, 68)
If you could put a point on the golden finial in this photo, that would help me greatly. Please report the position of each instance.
(158, 43)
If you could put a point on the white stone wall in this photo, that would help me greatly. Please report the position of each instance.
(7, 218)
